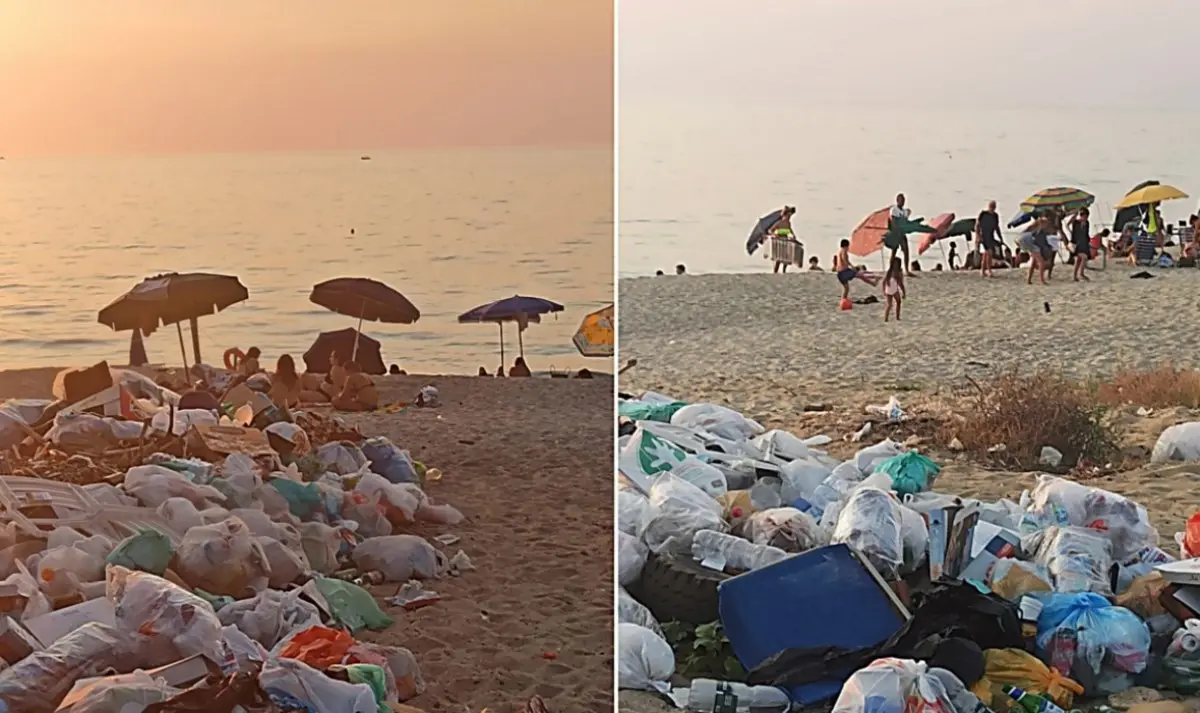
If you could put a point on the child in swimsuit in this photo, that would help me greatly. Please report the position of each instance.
(844, 270)
(893, 288)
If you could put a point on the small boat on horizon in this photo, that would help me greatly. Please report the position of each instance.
(364, 157)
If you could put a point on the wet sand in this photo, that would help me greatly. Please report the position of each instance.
(529, 462)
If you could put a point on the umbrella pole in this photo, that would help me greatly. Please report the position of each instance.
(358, 333)
(194, 325)
(520, 342)
(501, 326)
(183, 352)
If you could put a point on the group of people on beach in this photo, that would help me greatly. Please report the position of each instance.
(345, 386)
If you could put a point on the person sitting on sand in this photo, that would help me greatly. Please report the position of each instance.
(336, 378)
(915, 266)
(893, 288)
(843, 269)
(937, 267)
(249, 365)
(584, 373)
(658, 273)
(500, 370)
(483, 371)
(359, 392)
(519, 369)
(814, 264)
(287, 387)
(680, 269)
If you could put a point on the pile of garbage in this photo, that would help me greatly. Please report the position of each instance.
(225, 572)
(855, 583)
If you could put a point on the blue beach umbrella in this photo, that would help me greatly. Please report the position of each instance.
(759, 234)
(519, 309)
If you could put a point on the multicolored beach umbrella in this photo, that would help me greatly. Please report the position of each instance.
(595, 337)
(1061, 198)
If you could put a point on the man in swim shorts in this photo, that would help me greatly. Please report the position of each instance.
(896, 238)
(987, 235)
(843, 269)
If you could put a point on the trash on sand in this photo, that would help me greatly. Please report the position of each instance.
(412, 595)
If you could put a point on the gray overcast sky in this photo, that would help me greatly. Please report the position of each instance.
(1027, 53)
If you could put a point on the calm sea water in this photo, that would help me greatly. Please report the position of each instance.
(695, 179)
(448, 229)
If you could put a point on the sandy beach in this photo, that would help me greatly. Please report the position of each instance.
(775, 347)
(527, 461)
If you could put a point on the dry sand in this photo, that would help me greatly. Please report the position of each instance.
(770, 345)
(528, 461)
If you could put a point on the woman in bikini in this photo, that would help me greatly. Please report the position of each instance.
(358, 393)
(287, 388)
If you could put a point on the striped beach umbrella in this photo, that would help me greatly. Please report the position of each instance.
(595, 336)
(1061, 198)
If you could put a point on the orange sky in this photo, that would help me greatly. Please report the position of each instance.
(150, 76)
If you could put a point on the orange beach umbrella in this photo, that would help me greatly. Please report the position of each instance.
(941, 225)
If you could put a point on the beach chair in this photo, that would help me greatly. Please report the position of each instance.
(786, 250)
(1145, 250)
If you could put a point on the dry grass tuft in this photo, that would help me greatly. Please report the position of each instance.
(1162, 387)
(1026, 412)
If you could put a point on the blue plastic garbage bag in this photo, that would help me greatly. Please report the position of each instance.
(911, 472)
(389, 460)
(1101, 630)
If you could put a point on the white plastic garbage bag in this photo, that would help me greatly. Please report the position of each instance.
(1078, 559)
(801, 478)
(780, 445)
(1179, 442)
(645, 661)
(631, 611)
(631, 557)
(400, 558)
(735, 553)
(270, 616)
(62, 561)
(1057, 501)
(81, 431)
(717, 420)
(871, 456)
(343, 458)
(676, 511)
(223, 558)
(285, 565)
(289, 680)
(890, 684)
(184, 420)
(180, 513)
(38, 682)
(320, 543)
(168, 623)
(870, 524)
(16, 413)
(152, 485)
(784, 528)
(404, 498)
(703, 475)
(125, 692)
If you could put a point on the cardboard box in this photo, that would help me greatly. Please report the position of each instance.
(51, 627)
(15, 642)
(214, 443)
(185, 672)
(1183, 572)
(1002, 545)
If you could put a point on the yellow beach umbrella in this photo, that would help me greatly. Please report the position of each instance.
(1151, 194)
(595, 337)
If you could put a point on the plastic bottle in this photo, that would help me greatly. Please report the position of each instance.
(710, 696)
(1031, 702)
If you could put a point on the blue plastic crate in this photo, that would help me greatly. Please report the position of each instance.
(829, 596)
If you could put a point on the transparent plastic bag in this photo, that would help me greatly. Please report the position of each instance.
(1057, 501)
(1105, 634)
(223, 559)
(781, 445)
(786, 529)
(1078, 559)
(288, 681)
(891, 684)
(631, 557)
(717, 420)
(270, 616)
(81, 431)
(168, 623)
(631, 611)
(125, 692)
(180, 513)
(645, 661)
(367, 513)
(801, 478)
(400, 558)
(676, 511)
(1012, 579)
(285, 565)
(38, 682)
(184, 419)
(401, 501)
(321, 544)
(389, 460)
(867, 459)
(737, 554)
(870, 524)
(343, 458)
(60, 561)
(914, 536)
(631, 509)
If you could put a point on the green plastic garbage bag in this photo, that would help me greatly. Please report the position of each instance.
(148, 551)
(352, 606)
(216, 600)
(639, 411)
(371, 675)
(304, 499)
(911, 472)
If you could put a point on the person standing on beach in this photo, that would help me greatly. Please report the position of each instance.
(896, 238)
(987, 236)
(843, 269)
(893, 288)
(782, 228)
(1081, 243)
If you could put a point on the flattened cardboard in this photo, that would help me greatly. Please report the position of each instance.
(51, 627)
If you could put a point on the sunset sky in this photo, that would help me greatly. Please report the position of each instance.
(147, 76)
